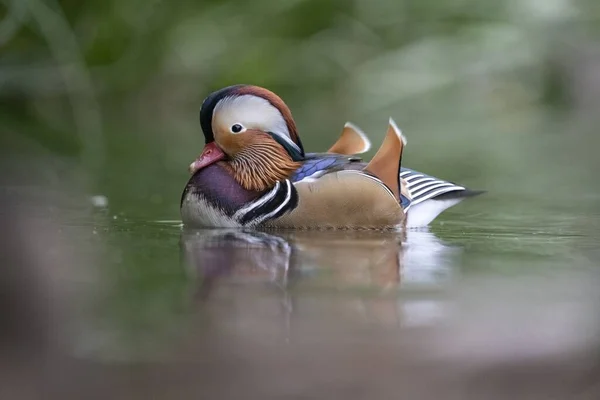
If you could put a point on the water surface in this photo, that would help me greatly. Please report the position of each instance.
(490, 288)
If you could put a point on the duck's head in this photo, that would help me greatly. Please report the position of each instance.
(252, 129)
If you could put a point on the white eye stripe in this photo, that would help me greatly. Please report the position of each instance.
(252, 112)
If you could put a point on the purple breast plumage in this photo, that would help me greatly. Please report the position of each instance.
(218, 187)
(213, 198)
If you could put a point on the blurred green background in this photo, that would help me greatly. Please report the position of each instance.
(101, 98)
(498, 95)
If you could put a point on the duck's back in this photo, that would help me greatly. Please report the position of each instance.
(317, 164)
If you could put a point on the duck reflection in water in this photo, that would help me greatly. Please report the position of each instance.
(366, 267)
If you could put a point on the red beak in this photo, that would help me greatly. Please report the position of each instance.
(210, 155)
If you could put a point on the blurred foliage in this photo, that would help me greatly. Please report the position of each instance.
(489, 93)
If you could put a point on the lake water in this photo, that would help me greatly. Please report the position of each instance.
(495, 299)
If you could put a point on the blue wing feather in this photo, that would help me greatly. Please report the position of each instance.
(318, 163)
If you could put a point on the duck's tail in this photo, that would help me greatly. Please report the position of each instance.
(430, 196)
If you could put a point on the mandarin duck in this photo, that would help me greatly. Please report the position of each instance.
(254, 172)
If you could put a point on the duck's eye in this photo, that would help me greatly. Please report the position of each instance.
(236, 128)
